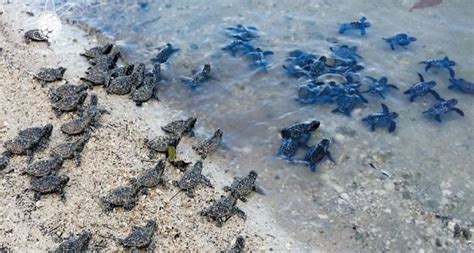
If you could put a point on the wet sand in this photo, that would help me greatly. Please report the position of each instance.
(114, 153)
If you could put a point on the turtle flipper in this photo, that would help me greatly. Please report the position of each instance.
(458, 111)
(392, 126)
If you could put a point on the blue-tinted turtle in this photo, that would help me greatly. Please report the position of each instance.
(442, 106)
(300, 132)
(242, 32)
(238, 47)
(347, 102)
(346, 52)
(360, 25)
(164, 53)
(379, 86)
(421, 88)
(401, 39)
(311, 94)
(300, 57)
(317, 153)
(199, 77)
(288, 148)
(462, 85)
(258, 58)
(440, 63)
(382, 119)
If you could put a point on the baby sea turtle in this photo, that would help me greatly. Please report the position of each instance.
(152, 177)
(242, 32)
(124, 196)
(48, 75)
(238, 47)
(199, 77)
(288, 148)
(222, 210)
(258, 58)
(125, 70)
(123, 85)
(89, 118)
(161, 144)
(35, 35)
(442, 106)
(71, 150)
(147, 91)
(300, 132)
(209, 145)
(238, 246)
(44, 167)
(346, 52)
(102, 65)
(360, 25)
(382, 119)
(66, 90)
(242, 187)
(98, 51)
(181, 127)
(48, 184)
(401, 39)
(379, 86)
(421, 88)
(29, 140)
(462, 85)
(164, 53)
(69, 103)
(317, 153)
(347, 102)
(4, 160)
(191, 179)
(140, 237)
(440, 63)
(106, 61)
(78, 243)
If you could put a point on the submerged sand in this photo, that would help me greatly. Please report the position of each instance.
(113, 155)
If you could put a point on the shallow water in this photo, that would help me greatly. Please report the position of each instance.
(432, 162)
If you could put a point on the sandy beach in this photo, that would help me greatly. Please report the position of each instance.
(113, 155)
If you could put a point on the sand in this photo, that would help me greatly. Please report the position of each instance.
(114, 153)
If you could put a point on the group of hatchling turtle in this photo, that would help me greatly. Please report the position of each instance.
(69, 98)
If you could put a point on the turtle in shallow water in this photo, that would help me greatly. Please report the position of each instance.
(164, 53)
(300, 132)
(181, 127)
(35, 35)
(44, 167)
(442, 106)
(421, 88)
(98, 51)
(317, 153)
(78, 243)
(48, 75)
(69, 103)
(242, 187)
(222, 210)
(191, 179)
(48, 184)
(89, 118)
(124, 196)
(199, 77)
(66, 90)
(148, 89)
(122, 85)
(161, 144)
(140, 237)
(209, 145)
(152, 177)
(382, 119)
(70, 150)
(29, 140)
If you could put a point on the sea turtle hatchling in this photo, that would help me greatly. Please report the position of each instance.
(191, 179)
(66, 90)
(48, 75)
(152, 177)
(35, 35)
(89, 118)
(181, 127)
(242, 187)
(209, 145)
(48, 184)
(78, 243)
(97, 51)
(140, 237)
(124, 196)
(71, 150)
(238, 246)
(29, 140)
(161, 144)
(44, 167)
(222, 210)
(69, 103)
(147, 91)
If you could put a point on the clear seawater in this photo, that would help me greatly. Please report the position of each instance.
(423, 157)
